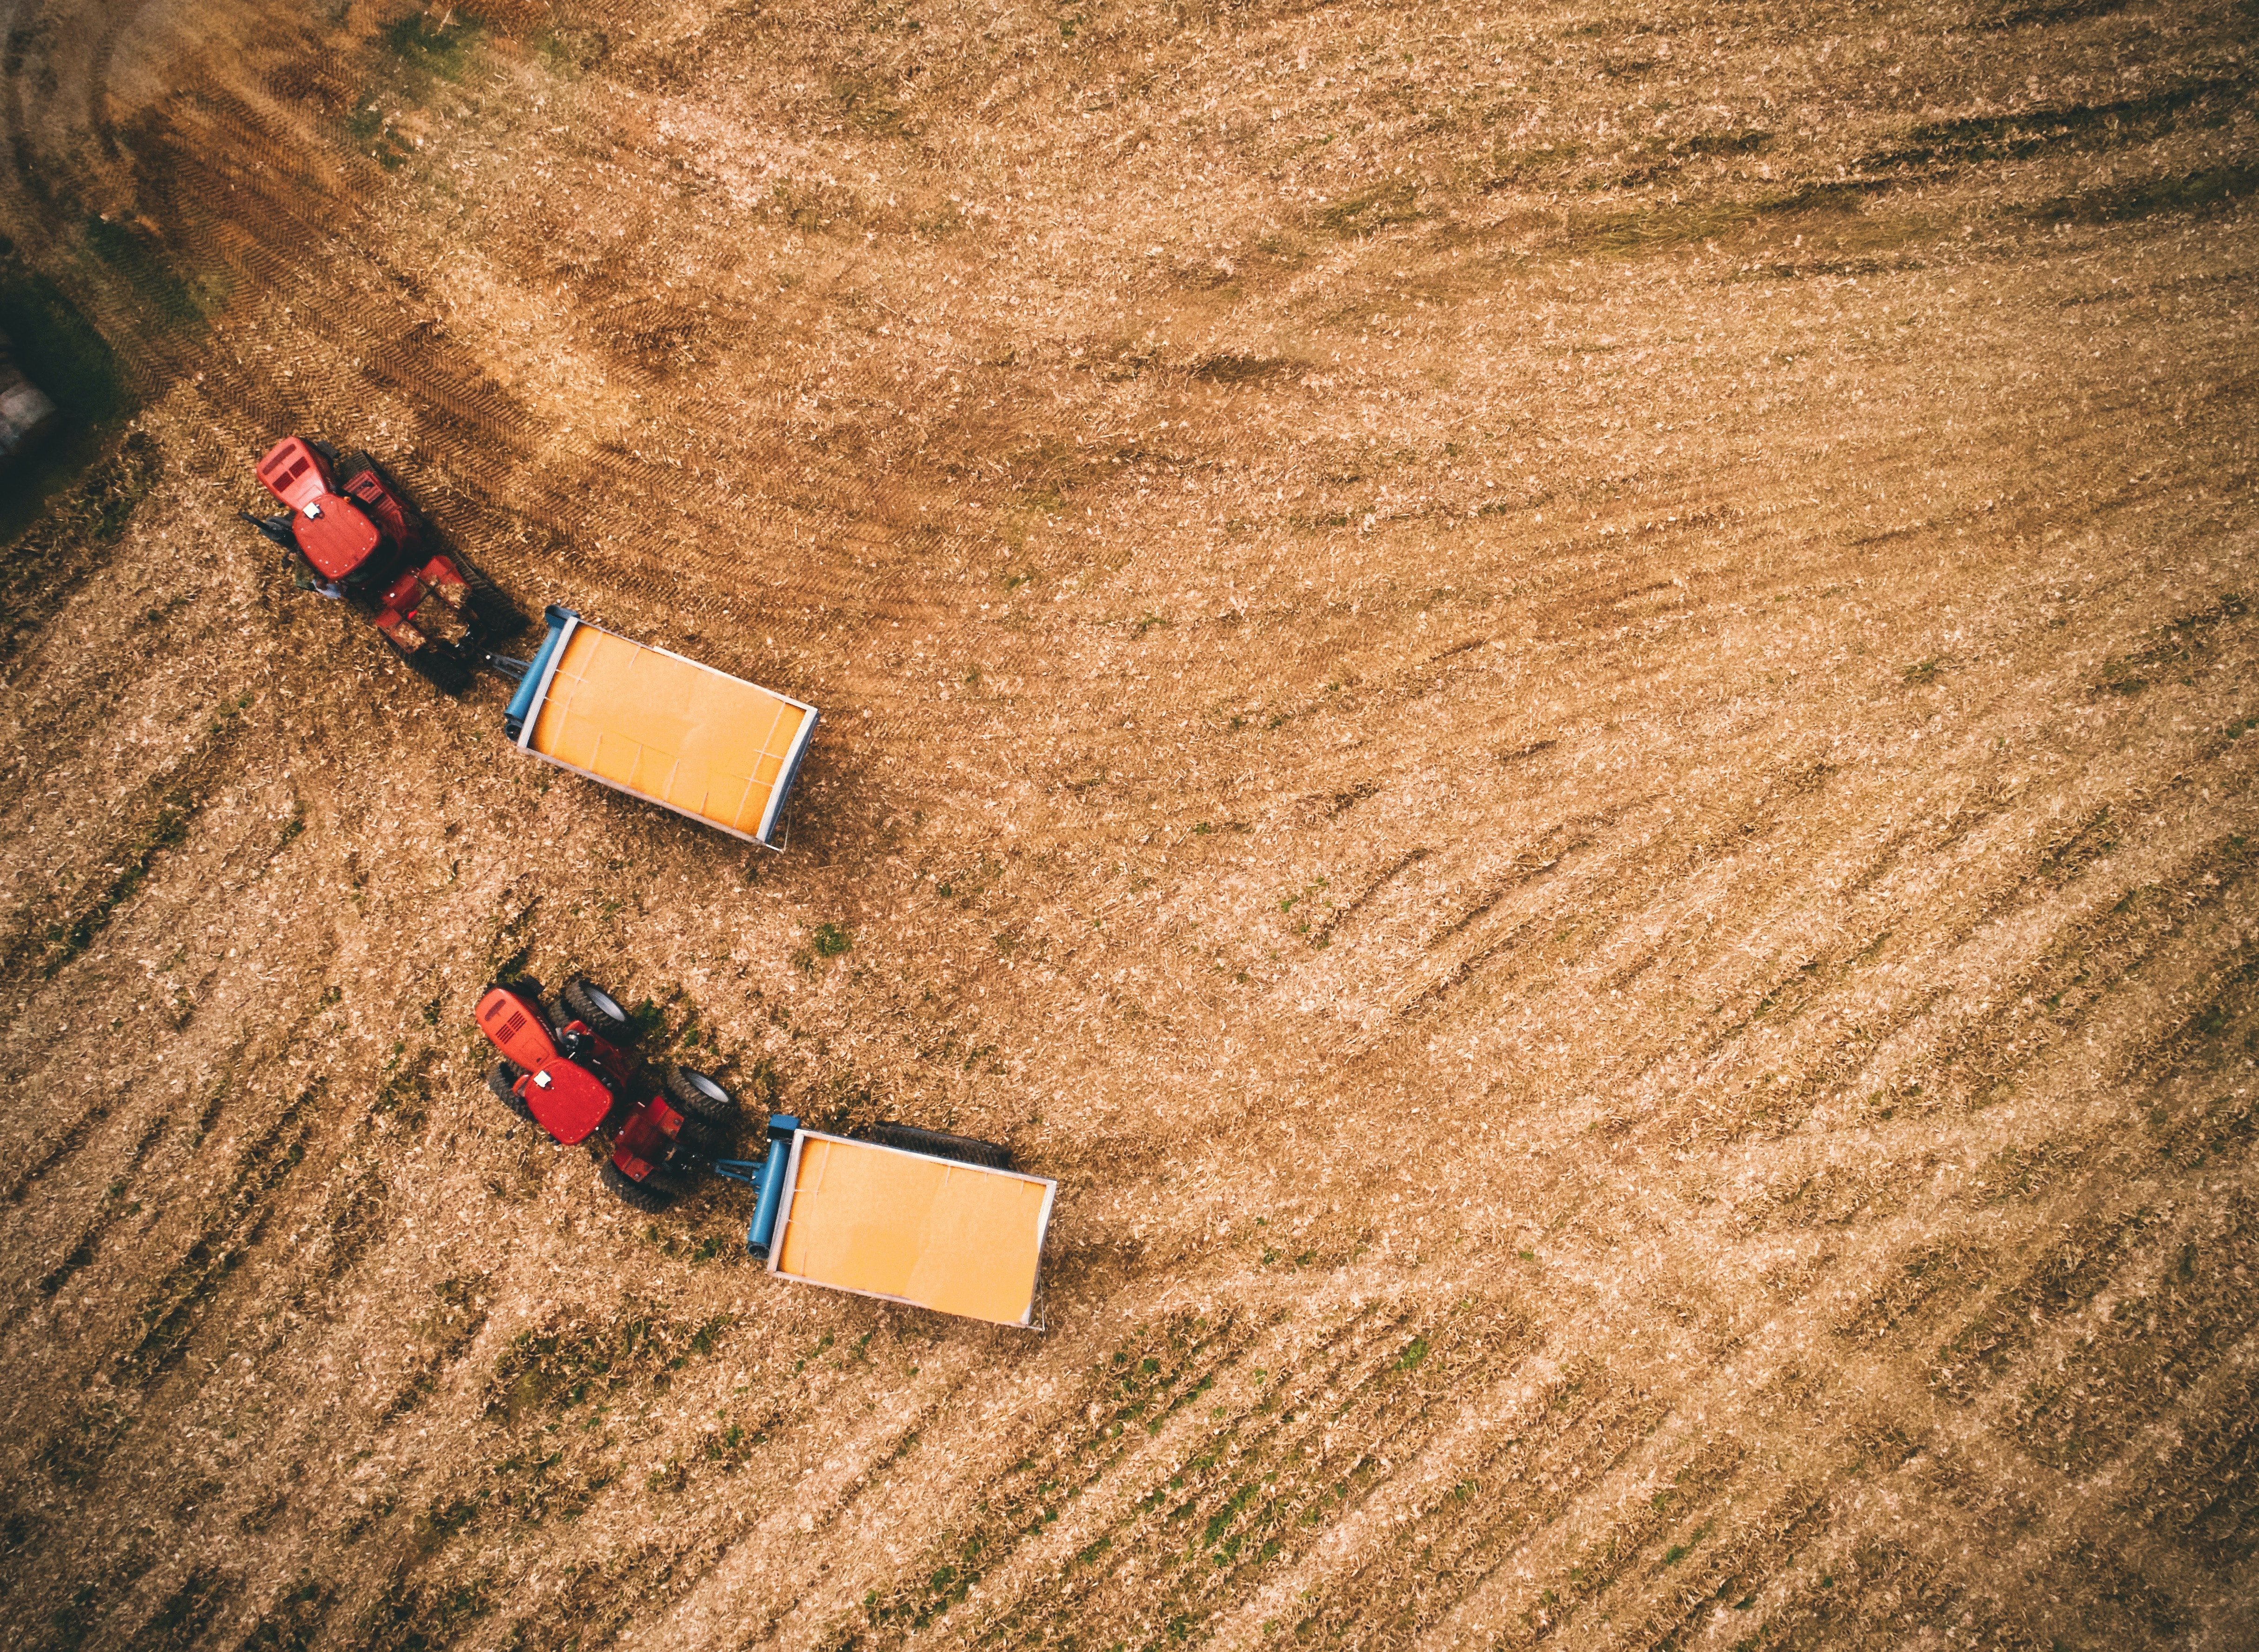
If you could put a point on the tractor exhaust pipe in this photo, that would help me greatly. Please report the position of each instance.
(276, 527)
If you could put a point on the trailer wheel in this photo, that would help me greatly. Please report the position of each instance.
(940, 1144)
(590, 1003)
(501, 1079)
(700, 1097)
(634, 1195)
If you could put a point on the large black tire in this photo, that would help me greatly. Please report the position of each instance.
(940, 1144)
(443, 671)
(497, 616)
(501, 1079)
(634, 1195)
(589, 1003)
(703, 1141)
(700, 1097)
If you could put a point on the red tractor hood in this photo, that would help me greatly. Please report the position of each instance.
(295, 472)
(335, 535)
(568, 1100)
(514, 1021)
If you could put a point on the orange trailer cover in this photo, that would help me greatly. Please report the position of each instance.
(697, 740)
(957, 1238)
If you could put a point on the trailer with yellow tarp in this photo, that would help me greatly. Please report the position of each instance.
(902, 1213)
(657, 726)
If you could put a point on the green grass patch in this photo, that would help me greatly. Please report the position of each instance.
(2183, 192)
(569, 53)
(1397, 202)
(142, 261)
(442, 49)
(68, 940)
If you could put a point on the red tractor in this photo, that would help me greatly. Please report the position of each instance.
(356, 539)
(577, 1080)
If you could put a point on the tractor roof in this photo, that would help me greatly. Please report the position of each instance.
(335, 535)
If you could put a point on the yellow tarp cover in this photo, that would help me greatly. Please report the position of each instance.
(924, 1230)
(666, 727)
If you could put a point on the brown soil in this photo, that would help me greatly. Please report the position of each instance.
(1561, 702)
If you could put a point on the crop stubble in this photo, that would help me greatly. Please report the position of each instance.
(1559, 701)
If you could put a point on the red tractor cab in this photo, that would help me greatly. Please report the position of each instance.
(575, 1077)
(358, 540)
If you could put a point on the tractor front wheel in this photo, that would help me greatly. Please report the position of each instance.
(700, 1097)
(634, 1195)
(597, 1009)
(501, 1079)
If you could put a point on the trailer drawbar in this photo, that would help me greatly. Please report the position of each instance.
(766, 1177)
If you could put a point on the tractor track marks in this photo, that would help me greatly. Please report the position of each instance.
(50, 563)
(157, 818)
(1621, 1547)
(180, 1299)
(2163, 1333)
(1770, 933)
(1144, 1385)
(1569, 1435)
(1322, 934)
(2202, 1486)
(1289, 1457)
(2095, 958)
(2068, 1274)
(1258, 1520)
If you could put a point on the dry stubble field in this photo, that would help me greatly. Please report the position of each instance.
(1561, 700)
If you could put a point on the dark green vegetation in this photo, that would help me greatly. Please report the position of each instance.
(61, 352)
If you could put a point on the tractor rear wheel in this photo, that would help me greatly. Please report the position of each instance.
(598, 1009)
(497, 615)
(634, 1195)
(702, 1139)
(964, 1149)
(444, 671)
(700, 1097)
(501, 1079)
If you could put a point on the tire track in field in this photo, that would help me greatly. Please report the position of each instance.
(817, 544)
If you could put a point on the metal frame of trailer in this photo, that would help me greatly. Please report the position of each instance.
(773, 1240)
(536, 679)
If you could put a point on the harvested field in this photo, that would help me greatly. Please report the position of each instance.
(1562, 701)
